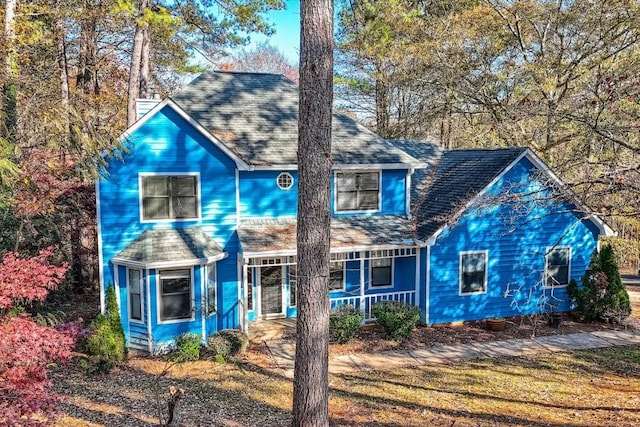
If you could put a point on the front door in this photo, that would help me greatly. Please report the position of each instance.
(271, 294)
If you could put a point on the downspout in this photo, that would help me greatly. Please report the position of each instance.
(204, 304)
(245, 308)
(417, 284)
(427, 283)
(407, 194)
(149, 336)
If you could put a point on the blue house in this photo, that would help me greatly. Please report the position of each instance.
(197, 223)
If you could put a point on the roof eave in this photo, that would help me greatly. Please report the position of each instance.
(169, 264)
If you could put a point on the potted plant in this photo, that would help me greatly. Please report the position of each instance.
(555, 319)
(495, 323)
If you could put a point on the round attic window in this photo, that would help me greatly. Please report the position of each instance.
(285, 181)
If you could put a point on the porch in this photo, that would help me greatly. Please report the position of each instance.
(284, 328)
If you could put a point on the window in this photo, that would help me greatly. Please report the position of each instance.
(285, 181)
(336, 276)
(381, 269)
(557, 266)
(293, 282)
(135, 295)
(250, 288)
(175, 298)
(169, 197)
(473, 272)
(357, 191)
(211, 289)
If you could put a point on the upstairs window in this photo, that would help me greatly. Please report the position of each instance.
(169, 197)
(473, 272)
(357, 191)
(557, 266)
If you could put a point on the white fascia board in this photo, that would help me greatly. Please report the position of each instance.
(169, 264)
(337, 166)
(602, 226)
(270, 254)
(538, 163)
(431, 240)
(240, 164)
(100, 258)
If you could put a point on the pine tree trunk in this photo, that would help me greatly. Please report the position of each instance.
(145, 64)
(136, 64)
(311, 387)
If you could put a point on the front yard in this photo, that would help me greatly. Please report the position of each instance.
(581, 388)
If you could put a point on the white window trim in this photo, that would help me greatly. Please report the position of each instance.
(393, 276)
(344, 276)
(258, 299)
(159, 298)
(206, 289)
(140, 321)
(335, 190)
(296, 283)
(250, 288)
(546, 266)
(290, 177)
(486, 273)
(141, 175)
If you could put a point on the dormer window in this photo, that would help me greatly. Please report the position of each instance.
(357, 191)
(169, 197)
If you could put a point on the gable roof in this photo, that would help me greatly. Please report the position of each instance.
(256, 116)
(163, 247)
(352, 232)
(459, 176)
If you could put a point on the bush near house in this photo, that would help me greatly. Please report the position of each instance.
(187, 348)
(106, 343)
(344, 322)
(229, 342)
(396, 318)
(602, 296)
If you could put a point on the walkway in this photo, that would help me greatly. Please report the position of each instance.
(283, 351)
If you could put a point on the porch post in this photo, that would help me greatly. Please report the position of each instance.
(362, 300)
(245, 310)
(417, 283)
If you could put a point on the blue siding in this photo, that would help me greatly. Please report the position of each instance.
(392, 194)
(166, 143)
(260, 195)
(516, 255)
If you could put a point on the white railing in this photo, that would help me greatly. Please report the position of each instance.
(365, 302)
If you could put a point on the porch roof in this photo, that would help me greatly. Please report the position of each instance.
(163, 246)
(271, 235)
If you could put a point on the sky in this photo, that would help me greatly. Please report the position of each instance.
(287, 31)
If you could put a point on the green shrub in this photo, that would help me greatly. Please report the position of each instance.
(344, 322)
(106, 341)
(602, 295)
(396, 318)
(227, 343)
(187, 348)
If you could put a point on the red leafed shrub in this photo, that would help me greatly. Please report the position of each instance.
(27, 348)
(28, 279)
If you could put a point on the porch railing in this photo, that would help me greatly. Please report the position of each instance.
(365, 302)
